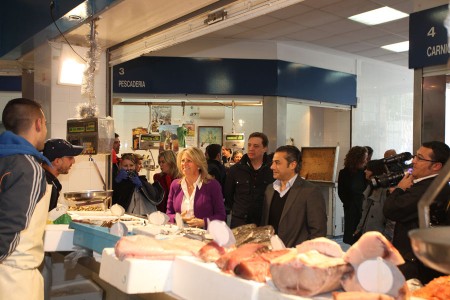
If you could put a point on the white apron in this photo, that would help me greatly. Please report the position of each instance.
(19, 275)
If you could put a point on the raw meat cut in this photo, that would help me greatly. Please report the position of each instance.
(258, 268)
(323, 245)
(372, 244)
(142, 246)
(307, 274)
(230, 260)
(212, 252)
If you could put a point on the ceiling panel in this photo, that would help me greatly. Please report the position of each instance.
(318, 22)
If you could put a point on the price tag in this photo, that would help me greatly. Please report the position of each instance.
(221, 233)
(57, 212)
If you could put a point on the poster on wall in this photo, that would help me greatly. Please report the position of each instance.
(169, 138)
(209, 135)
(190, 135)
(161, 115)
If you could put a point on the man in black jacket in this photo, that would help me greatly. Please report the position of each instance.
(215, 167)
(401, 205)
(247, 181)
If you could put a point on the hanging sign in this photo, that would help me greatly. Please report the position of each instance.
(428, 40)
(234, 141)
(149, 141)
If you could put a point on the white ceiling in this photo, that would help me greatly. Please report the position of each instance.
(325, 23)
(318, 22)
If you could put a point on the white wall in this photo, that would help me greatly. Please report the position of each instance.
(382, 118)
(60, 103)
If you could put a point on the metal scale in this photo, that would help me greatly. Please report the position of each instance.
(96, 135)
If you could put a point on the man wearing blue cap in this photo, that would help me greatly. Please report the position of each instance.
(61, 154)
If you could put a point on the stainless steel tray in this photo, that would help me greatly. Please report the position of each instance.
(89, 195)
(431, 246)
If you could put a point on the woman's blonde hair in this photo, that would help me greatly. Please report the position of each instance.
(198, 157)
(171, 159)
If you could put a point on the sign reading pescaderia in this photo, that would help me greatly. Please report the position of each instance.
(428, 40)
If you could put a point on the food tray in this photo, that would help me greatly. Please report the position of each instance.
(93, 237)
(133, 276)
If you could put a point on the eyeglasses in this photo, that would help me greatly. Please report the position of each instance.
(424, 159)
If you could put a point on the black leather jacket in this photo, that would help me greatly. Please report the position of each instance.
(244, 190)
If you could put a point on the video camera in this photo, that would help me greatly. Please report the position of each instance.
(395, 167)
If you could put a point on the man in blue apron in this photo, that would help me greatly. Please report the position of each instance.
(24, 200)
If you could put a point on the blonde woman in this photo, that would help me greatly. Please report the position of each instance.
(167, 161)
(196, 196)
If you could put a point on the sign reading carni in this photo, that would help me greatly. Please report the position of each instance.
(216, 76)
(428, 41)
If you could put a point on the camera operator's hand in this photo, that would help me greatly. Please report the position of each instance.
(121, 175)
(137, 182)
(406, 182)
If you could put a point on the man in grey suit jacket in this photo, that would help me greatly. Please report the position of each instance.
(293, 206)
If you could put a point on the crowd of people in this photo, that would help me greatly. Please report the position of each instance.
(253, 187)
(390, 206)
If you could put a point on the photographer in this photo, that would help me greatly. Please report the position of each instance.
(374, 197)
(134, 192)
(401, 205)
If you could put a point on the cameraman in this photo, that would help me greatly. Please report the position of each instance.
(401, 205)
(133, 192)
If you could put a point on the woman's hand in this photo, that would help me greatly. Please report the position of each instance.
(196, 222)
(192, 221)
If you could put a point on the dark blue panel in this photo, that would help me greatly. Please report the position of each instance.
(208, 76)
(311, 83)
(26, 24)
(17, 16)
(428, 42)
(11, 83)
(175, 75)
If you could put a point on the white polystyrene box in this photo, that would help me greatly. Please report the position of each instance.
(58, 237)
(135, 276)
(194, 279)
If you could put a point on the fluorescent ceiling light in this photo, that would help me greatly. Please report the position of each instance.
(236, 12)
(379, 16)
(397, 47)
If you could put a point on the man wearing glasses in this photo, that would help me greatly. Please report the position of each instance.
(401, 205)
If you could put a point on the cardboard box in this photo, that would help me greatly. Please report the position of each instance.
(134, 276)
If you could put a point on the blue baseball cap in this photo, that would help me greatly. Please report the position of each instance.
(57, 148)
